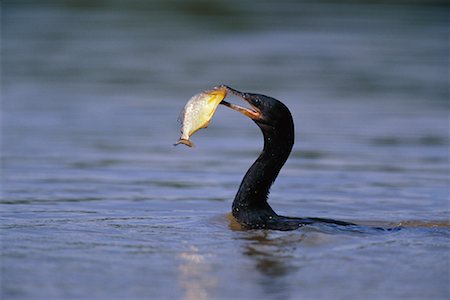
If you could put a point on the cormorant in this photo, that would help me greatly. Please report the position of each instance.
(250, 207)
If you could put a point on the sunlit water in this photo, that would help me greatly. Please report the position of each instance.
(98, 204)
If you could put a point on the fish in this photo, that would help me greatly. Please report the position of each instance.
(198, 112)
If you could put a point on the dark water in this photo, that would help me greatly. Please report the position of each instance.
(98, 204)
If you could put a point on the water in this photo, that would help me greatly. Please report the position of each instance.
(98, 204)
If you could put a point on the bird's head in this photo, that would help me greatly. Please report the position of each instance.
(265, 111)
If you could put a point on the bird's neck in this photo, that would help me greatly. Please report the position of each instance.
(254, 189)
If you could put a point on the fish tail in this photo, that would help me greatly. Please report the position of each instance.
(185, 142)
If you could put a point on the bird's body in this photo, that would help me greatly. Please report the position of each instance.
(250, 207)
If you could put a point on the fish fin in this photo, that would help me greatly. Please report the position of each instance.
(185, 142)
(180, 118)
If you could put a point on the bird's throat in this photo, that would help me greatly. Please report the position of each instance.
(250, 205)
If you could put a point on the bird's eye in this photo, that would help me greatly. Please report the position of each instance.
(257, 101)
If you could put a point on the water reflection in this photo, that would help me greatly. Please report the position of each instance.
(195, 275)
(272, 255)
(274, 260)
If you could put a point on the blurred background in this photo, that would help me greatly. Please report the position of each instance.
(97, 203)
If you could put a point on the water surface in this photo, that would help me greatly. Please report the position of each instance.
(98, 204)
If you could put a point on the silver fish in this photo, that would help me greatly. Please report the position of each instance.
(198, 112)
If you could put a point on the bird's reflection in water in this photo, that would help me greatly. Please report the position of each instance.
(274, 259)
(194, 276)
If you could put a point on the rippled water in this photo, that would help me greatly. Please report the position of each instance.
(97, 203)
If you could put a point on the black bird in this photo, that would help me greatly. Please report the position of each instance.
(250, 207)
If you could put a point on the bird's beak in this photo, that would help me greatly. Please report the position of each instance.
(253, 113)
